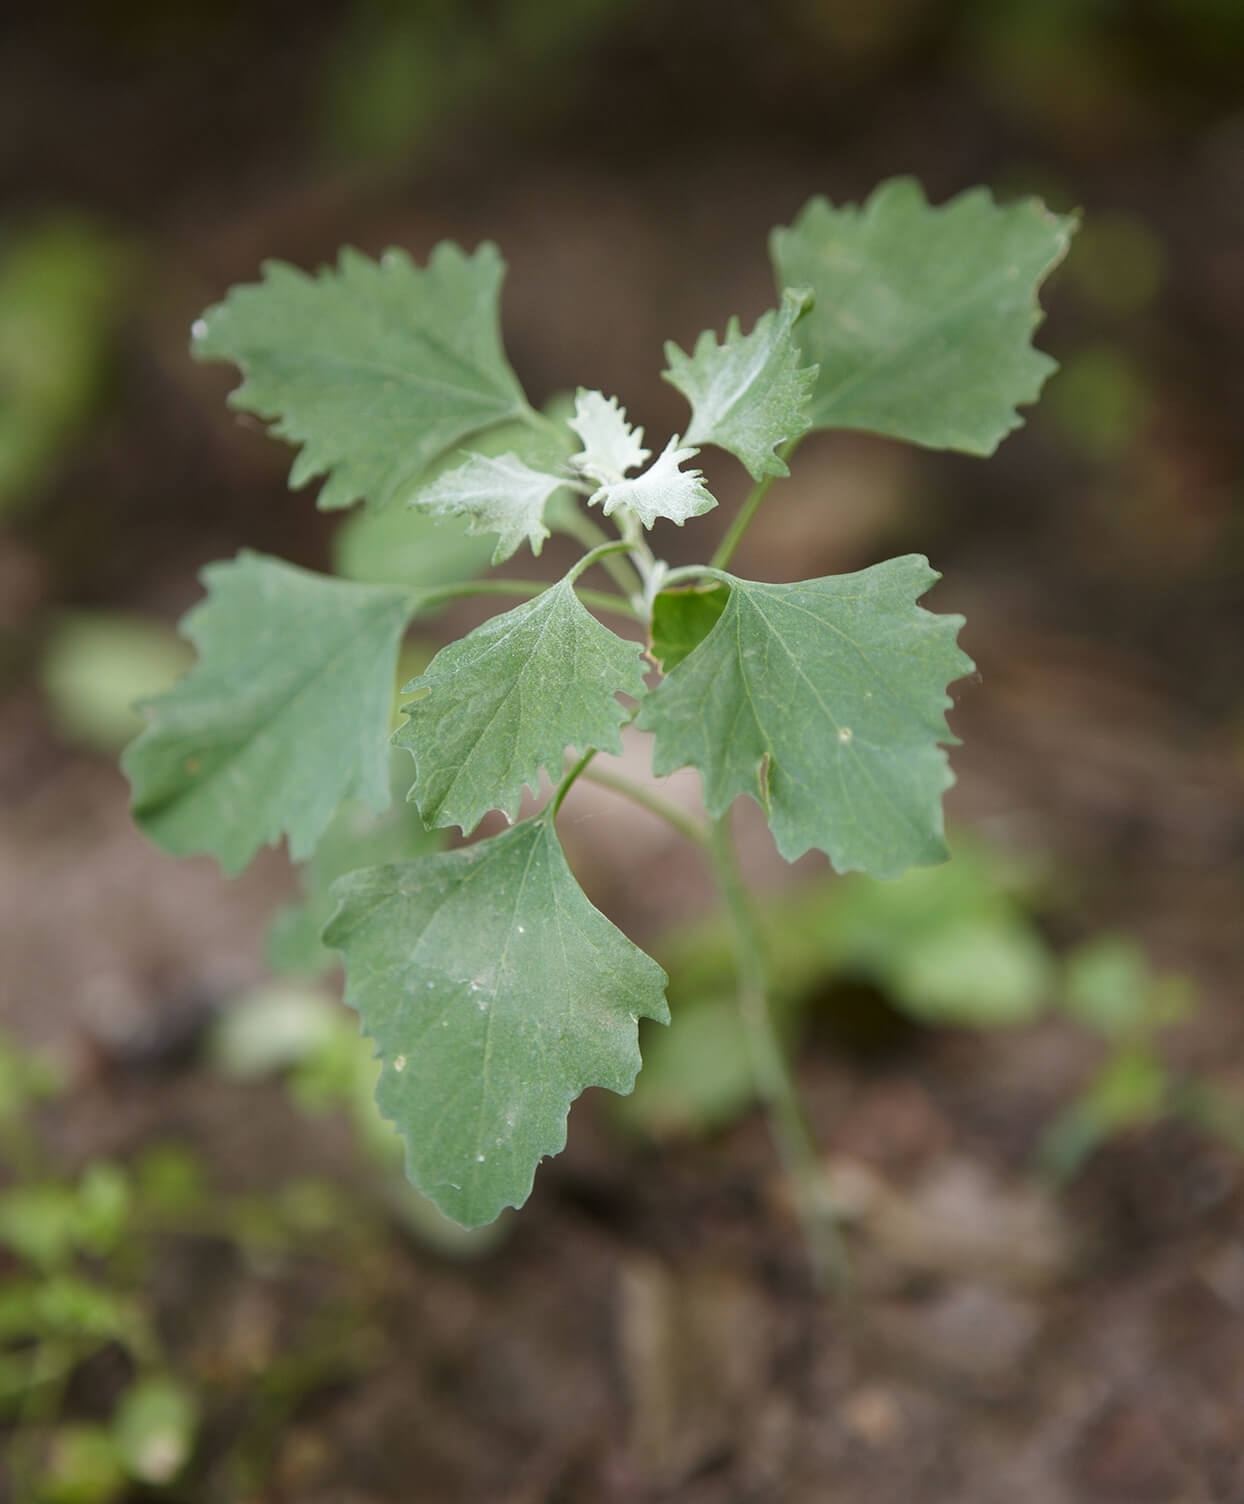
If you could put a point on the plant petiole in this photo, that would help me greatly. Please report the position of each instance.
(774, 1082)
(751, 505)
(665, 809)
(600, 600)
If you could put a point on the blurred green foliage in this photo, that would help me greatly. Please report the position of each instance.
(82, 1253)
(79, 1259)
(402, 74)
(97, 666)
(951, 946)
(1098, 400)
(60, 286)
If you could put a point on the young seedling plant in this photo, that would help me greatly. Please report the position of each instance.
(493, 990)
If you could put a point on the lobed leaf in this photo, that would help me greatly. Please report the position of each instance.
(923, 316)
(495, 994)
(500, 495)
(611, 446)
(375, 368)
(284, 716)
(751, 393)
(664, 489)
(508, 699)
(825, 702)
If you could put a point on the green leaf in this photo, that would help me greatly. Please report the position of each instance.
(682, 619)
(401, 547)
(354, 838)
(825, 701)
(500, 495)
(376, 368)
(923, 316)
(284, 716)
(508, 699)
(749, 394)
(664, 489)
(495, 994)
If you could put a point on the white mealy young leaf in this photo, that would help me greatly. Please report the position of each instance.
(750, 393)
(500, 494)
(663, 490)
(611, 446)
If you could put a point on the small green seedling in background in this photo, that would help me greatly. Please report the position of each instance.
(950, 946)
(955, 946)
(1110, 990)
(81, 1250)
(493, 991)
(76, 1290)
(59, 286)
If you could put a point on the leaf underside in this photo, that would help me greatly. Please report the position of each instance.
(507, 700)
(374, 368)
(682, 619)
(284, 716)
(923, 318)
(495, 994)
(824, 701)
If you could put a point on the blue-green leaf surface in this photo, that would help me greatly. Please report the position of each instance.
(495, 993)
(824, 701)
(374, 368)
(284, 716)
(751, 393)
(508, 699)
(924, 317)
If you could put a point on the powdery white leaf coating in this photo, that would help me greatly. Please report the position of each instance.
(500, 494)
(508, 699)
(749, 394)
(374, 368)
(283, 717)
(611, 446)
(663, 490)
(495, 993)
(924, 316)
(825, 702)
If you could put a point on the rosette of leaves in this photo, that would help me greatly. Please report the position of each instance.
(494, 991)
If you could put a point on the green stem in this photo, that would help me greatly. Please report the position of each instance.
(774, 1082)
(623, 573)
(665, 809)
(743, 518)
(567, 783)
(600, 599)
